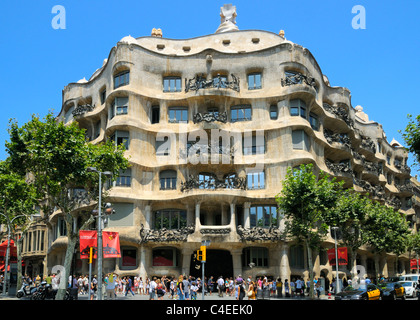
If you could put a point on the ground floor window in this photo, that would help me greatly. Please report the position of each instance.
(255, 257)
(165, 257)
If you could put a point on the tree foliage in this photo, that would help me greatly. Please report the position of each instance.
(411, 136)
(56, 158)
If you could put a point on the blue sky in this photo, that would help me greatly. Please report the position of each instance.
(379, 65)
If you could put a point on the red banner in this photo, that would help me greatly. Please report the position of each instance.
(341, 255)
(413, 263)
(110, 244)
(87, 239)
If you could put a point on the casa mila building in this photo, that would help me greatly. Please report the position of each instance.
(211, 125)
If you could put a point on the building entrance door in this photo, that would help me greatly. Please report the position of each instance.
(218, 263)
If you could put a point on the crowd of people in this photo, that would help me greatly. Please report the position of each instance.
(189, 288)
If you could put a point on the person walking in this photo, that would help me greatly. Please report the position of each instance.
(110, 281)
(180, 288)
(279, 288)
(220, 286)
(160, 289)
(152, 289)
(128, 286)
(286, 288)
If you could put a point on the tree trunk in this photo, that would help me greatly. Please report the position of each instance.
(311, 271)
(71, 244)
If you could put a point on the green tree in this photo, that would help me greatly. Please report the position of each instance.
(349, 216)
(56, 157)
(17, 204)
(411, 136)
(305, 200)
(385, 231)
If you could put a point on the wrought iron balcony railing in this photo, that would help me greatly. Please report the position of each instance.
(219, 82)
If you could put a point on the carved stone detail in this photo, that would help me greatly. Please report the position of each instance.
(165, 235)
(82, 109)
(210, 117)
(292, 78)
(259, 234)
(199, 82)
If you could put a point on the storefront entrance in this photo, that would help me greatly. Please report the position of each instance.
(218, 263)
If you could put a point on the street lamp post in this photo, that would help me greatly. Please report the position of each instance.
(337, 284)
(100, 249)
(9, 223)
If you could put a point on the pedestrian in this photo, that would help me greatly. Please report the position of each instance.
(110, 286)
(220, 286)
(279, 288)
(160, 289)
(286, 288)
(180, 288)
(136, 285)
(128, 286)
(172, 287)
(141, 286)
(152, 289)
(194, 289)
(210, 285)
(292, 287)
(186, 288)
(80, 285)
(93, 287)
(251, 293)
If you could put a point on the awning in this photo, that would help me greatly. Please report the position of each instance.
(12, 249)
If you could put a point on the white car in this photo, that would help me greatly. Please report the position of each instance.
(410, 288)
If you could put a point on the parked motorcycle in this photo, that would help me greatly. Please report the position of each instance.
(45, 291)
(26, 290)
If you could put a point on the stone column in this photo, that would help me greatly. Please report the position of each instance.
(148, 216)
(232, 217)
(186, 260)
(197, 217)
(237, 262)
(142, 262)
(247, 220)
(284, 269)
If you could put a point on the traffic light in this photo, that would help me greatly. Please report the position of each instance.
(201, 254)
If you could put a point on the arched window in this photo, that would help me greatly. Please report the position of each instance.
(296, 257)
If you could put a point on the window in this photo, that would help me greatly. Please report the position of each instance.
(255, 180)
(121, 79)
(165, 257)
(298, 108)
(206, 181)
(300, 140)
(178, 115)
(273, 112)
(254, 81)
(263, 216)
(124, 179)
(167, 180)
(253, 145)
(118, 107)
(129, 257)
(240, 113)
(163, 146)
(172, 84)
(155, 114)
(170, 219)
(102, 96)
(313, 120)
(296, 257)
(257, 256)
(123, 216)
(219, 81)
(121, 137)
